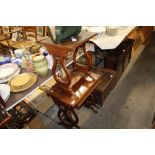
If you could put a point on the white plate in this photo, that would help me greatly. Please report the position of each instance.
(8, 79)
(4, 91)
(96, 29)
(7, 70)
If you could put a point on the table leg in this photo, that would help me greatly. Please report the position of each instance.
(68, 117)
(91, 102)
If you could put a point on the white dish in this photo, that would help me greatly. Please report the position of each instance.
(7, 70)
(96, 29)
(19, 53)
(9, 78)
(5, 91)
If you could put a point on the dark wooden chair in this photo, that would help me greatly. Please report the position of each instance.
(30, 31)
(6, 38)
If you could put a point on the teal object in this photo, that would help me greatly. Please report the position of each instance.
(64, 33)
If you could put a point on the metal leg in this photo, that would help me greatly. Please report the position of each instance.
(91, 102)
(68, 117)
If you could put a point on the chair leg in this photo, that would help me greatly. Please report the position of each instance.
(68, 117)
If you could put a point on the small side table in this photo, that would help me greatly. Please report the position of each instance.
(71, 91)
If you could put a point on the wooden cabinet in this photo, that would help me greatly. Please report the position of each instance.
(108, 78)
(119, 58)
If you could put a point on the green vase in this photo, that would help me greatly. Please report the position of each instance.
(40, 64)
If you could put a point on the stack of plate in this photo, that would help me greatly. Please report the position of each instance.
(4, 91)
(22, 82)
(8, 71)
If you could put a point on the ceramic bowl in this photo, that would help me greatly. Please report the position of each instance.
(19, 53)
(4, 60)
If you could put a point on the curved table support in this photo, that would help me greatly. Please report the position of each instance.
(68, 117)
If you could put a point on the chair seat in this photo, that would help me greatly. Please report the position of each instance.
(82, 89)
(17, 45)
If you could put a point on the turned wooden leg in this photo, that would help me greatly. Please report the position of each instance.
(68, 117)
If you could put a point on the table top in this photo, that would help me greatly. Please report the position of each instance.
(82, 38)
(106, 42)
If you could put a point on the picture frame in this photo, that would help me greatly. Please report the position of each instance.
(41, 30)
(6, 29)
(15, 36)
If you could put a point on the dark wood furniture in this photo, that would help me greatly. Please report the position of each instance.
(60, 51)
(119, 58)
(108, 81)
(30, 31)
(71, 91)
(17, 117)
(28, 37)
(82, 89)
(21, 114)
(7, 43)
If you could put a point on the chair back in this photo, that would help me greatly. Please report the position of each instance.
(30, 31)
